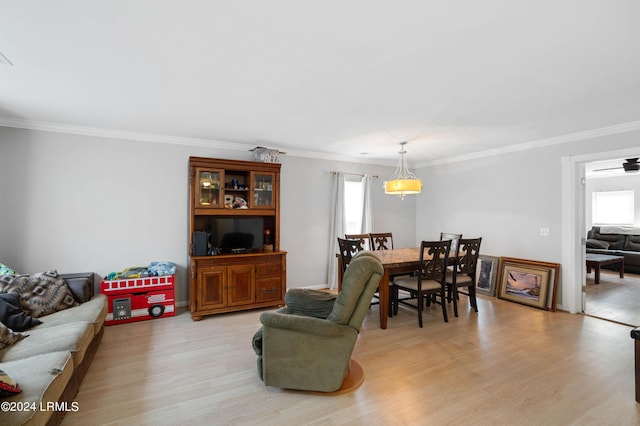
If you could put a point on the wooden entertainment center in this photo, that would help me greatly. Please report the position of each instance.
(234, 236)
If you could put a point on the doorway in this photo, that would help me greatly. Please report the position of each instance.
(610, 199)
(574, 225)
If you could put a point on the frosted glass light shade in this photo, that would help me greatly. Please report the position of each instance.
(403, 186)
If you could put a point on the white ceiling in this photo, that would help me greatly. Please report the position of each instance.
(327, 77)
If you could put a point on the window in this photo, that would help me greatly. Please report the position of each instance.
(613, 208)
(353, 204)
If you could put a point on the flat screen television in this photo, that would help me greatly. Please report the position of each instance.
(237, 234)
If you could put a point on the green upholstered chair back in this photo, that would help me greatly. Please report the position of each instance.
(359, 283)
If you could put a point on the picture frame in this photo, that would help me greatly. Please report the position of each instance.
(487, 274)
(529, 282)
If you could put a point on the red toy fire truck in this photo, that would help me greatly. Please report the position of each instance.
(139, 299)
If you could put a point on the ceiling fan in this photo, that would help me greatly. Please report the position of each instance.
(630, 165)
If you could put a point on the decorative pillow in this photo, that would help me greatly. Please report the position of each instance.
(81, 288)
(8, 337)
(11, 313)
(42, 294)
(597, 244)
(632, 243)
(4, 270)
(8, 386)
(7, 283)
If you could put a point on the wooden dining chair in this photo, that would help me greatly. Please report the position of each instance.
(348, 249)
(365, 240)
(428, 280)
(381, 241)
(462, 280)
(455, 239)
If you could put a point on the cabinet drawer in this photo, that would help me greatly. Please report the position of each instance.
(268, 289)
(268, 270)
(204, 263)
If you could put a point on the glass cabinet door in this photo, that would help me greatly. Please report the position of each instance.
(263, 190)
(208, 188)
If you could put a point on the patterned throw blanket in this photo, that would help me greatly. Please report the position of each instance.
(40, 294)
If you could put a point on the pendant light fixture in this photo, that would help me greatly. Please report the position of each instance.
(402, 182)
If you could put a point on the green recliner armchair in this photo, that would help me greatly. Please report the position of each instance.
(301, 347)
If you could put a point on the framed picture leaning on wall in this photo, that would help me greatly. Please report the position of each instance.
(487, 274)
(529, 282)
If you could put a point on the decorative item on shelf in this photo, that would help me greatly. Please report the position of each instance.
(209, 185)
(228, 201)
(265, 155)
(240, 203)
(268, 245)
(402, 182)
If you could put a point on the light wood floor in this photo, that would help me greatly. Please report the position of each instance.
(508, 365)
(615, 299)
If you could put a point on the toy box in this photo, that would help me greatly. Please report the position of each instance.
(139, 299)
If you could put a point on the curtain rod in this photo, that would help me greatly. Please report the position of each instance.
(353, 174)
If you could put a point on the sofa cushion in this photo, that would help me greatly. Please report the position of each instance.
(8, 386)
(12, 315)
(8, 337)
(42, 379)
(598, 244)
(616, 241)
(93, 312)
(74, 338)
(80, 287)
(632, 243)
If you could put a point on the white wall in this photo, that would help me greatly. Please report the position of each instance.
(304, 226)
(83, 203)
(507, 198)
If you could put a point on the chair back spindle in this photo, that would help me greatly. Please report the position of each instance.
(434, 257)
(348, 249)
(381, 241)
(365, 240)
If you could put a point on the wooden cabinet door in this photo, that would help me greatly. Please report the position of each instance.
(242, 279)
(207, 188)
(263, 190)
(212, 288)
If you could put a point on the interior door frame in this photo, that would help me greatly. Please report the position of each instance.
(573, 224)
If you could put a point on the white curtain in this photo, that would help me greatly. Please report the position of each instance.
(367, 209)
(337, 227)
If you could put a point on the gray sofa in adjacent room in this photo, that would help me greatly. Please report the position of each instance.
(616, 241)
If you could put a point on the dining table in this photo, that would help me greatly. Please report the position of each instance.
(395, 262)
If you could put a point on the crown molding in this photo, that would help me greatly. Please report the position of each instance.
(120, 134)
(556, 140)
(237, 146)
(175, 140)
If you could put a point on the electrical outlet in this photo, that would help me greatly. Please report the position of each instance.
(545, 232)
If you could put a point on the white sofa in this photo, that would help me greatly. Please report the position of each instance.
(51, 362)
